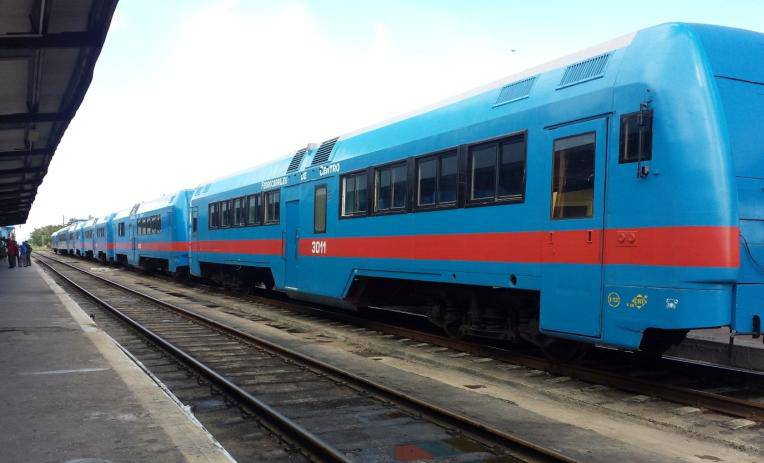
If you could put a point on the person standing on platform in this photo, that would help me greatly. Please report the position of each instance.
(27, 254)
(13, 252)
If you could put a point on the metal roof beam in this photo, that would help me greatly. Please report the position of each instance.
(28, 118)
(34, 152)
(22, 171)
(59, 40)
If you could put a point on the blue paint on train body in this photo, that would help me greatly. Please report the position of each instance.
(655, 246)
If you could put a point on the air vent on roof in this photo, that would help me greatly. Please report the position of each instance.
(294, 164)
(324, 151)
(515, 91)
(582, 71)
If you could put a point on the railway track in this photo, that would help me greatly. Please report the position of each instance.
(728, 390)
(290, 406)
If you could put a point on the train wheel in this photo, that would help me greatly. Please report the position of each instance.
(454, 323)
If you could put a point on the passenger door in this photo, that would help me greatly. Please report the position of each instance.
(291, 245)
(572, 269)
(132, 255)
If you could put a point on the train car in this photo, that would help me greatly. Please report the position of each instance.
(6, 232)
(153, 235)
(236, 233)
(610, 197)
(102, 238)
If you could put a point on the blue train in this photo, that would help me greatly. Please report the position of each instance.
(610, 197)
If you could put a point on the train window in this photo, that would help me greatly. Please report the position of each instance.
(437, 180)
(427, 177)
(121, 229)
(390, 188)
(194, 219)
(573, 177)
(636, 137)
(497, 170)
(159, 224)
(253, 209)
(214, 215)
(225, 217)
(355, 198)
(238, 212)
(319, 209)
(483, 172)
(272, 203)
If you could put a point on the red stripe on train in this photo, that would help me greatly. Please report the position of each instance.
(659, 246)
(674, 246)
(273, 247)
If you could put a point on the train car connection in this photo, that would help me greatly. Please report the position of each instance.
(88, 237)
(609, 197)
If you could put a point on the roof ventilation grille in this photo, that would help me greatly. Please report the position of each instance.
(324, 151)
(589, 69)
(515, 91)
(294, 164)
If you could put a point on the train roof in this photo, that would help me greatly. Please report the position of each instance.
(532, 88)
(164, 201)
(357, 143)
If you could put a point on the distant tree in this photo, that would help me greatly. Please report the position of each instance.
(40, 237)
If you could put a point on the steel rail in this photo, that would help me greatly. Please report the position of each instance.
(314, 446)
(518, 446)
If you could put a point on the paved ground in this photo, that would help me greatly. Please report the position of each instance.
(69, 394)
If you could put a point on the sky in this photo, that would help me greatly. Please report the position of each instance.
(186, 91)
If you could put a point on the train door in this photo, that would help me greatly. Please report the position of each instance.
(133, 243)
(291, 245)
(193, 223)
(572, 270)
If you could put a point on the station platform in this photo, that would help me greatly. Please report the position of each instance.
(68, 393)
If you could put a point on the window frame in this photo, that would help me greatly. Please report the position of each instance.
(227, 213)
(621, 144)
(326, 207)
(213, 217)
(240, 220)
(265, 204)
(258, 210)
(406, 162)
(594, 184)
(438, 155)
(367, 172)
(496, 200)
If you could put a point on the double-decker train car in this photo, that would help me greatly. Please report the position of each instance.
(161, 233)
(610, 197)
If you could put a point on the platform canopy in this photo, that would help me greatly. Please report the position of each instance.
(48, 49)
